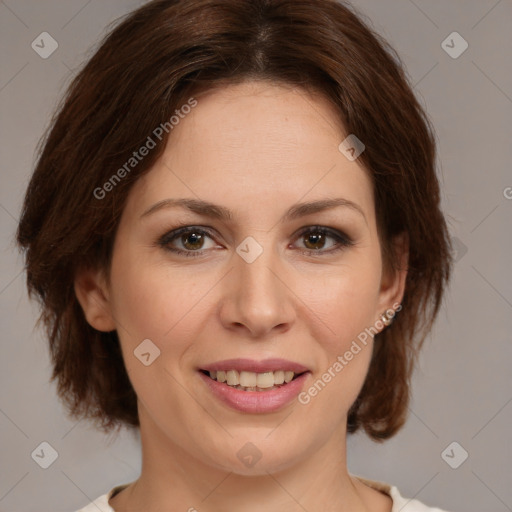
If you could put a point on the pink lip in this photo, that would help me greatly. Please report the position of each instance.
(251, 365)
(255, 401)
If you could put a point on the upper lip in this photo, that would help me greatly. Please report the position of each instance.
(252, 365)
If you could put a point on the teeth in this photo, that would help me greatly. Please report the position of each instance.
(251, 381)
(232, 378)
(265, 380)
(248, 379)
(279, 377)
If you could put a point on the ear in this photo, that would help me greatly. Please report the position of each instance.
(392, 286)
(92, 292)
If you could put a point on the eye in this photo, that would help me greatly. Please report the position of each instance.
(315, 237)
(191, 238)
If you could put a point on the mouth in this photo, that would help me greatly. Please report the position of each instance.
(254, 386)
(252, 381)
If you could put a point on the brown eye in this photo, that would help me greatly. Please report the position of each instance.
(192, 241)
(316, 238)
(187, 241)
(314, 241)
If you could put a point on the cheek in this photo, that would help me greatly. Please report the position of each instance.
(169, 306)
(346, 305)
(162, 304)
(344, 299)
(153, 301)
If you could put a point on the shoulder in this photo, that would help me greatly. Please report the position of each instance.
(400, 503)
(409, 505)
(98, 505)
(101, 504)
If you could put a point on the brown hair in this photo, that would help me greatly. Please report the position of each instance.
(149, 66)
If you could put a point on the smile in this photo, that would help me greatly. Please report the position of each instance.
(251, 392)
(252, 381)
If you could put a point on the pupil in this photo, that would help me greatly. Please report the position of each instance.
(317, 239)
(196, 239)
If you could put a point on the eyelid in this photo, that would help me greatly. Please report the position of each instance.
(173, 234)
(332, 232)
(341, 237)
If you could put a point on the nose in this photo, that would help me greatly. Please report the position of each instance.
(257, 297)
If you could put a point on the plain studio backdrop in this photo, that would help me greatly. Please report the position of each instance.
(455, 450)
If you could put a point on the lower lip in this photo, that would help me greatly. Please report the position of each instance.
(256, 401)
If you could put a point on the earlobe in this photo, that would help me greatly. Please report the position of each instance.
(92, 294)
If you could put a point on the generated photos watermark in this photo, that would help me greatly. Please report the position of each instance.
(150, 143)
(343, 360)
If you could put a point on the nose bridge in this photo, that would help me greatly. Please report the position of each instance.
(259, 276)
(258, 298)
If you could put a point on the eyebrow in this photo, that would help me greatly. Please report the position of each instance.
(216, 211)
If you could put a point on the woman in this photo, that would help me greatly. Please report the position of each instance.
(235, 233)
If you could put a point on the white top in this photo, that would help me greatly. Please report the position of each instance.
(400, 504)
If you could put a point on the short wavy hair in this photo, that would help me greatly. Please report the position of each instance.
(145, 68)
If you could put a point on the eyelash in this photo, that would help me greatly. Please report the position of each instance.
(343, 240)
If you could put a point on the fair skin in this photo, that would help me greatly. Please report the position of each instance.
(257, 149)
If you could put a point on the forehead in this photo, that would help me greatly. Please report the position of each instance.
(257, 117)
(256, 143)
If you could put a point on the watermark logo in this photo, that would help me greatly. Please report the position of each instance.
(351, 147)
(249, 454)
(44, 45)
(249, 249)
(454, 45)
(44, 455)
(146, 352)
(454, 455)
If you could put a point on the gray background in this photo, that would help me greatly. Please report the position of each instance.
(462, 388)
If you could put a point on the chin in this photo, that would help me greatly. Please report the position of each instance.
(251, 455)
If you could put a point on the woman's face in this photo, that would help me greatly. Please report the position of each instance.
(265, 283)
